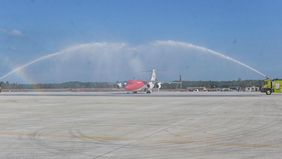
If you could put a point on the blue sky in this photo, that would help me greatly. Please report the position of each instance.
(249, 31)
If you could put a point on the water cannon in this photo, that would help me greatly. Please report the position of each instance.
(268, 77)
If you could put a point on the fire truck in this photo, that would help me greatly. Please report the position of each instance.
(272, 86)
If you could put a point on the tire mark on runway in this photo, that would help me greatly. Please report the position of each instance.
(163, 129)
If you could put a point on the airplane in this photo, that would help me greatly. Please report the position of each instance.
(142, 86)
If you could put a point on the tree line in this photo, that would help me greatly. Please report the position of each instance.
(165, 85)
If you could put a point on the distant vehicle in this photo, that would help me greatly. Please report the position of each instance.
(272, 86)
(136, 86)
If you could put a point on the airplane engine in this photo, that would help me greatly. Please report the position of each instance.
(150, 85)
(158, 85)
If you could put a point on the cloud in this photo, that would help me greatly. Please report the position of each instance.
(12, 32)
(16, 32)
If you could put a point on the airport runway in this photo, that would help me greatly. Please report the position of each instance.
(159, 126)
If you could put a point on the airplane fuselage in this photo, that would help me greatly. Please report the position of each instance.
(135, 85)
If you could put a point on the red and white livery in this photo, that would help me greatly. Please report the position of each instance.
(143, 86)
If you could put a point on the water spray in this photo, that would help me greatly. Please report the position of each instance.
(172, 43)
(62, 52)
(94, 48)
